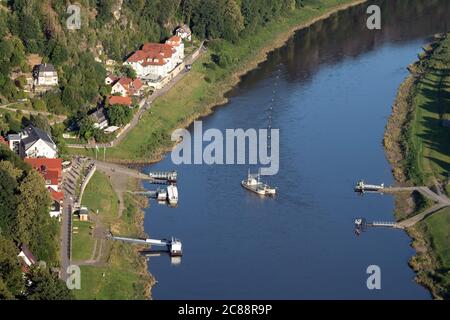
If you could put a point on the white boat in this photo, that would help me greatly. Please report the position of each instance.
(363, 187)
(162, 195)
(254, 184)
(172, 193)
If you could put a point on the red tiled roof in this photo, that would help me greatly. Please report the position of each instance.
(37, 163)
(152, 54)
(129, 85)
(53, 176)
(174, 41)
(50, 169)
(137, 84)
(125, 82)
(57, 196)
(117, 100)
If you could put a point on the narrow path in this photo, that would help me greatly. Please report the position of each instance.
(56, 118)
(440, 199)
(114, 169)
(421, 216)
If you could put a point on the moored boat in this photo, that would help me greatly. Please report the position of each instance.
(362, 187)
(172, 195)
(254, 184)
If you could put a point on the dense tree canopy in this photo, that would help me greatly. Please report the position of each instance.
(25, 219)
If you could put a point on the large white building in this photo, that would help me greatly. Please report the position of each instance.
(46, 75)
(33, 143)
(156, 59)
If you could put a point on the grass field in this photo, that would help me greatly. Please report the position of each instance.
(99, 197)
(82, 241)
(123, 272)
(430, 137)
(119, 280)
(204, 87)
(438, 234)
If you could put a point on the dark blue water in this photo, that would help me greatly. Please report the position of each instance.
(333, 99)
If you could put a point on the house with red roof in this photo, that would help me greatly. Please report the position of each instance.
(156, 59)
(57, 203)
(122, 101)
(51, 171)
(127, 87)
(177, 43)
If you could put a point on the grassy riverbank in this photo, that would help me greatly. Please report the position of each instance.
(204, 87)
(110, 270)
(417, 143)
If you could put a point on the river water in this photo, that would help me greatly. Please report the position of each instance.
(337, 82)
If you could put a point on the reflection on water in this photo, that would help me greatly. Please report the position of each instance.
(338, 81)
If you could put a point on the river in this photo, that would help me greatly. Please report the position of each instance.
(337, 83)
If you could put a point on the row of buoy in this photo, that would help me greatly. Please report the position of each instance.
(271, 105)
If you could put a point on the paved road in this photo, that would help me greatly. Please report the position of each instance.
(144, 106)
(69, 186)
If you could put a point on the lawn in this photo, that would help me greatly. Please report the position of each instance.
(82, 241)
(431, 139)
(438, 233)
(100, 197)
(123, 274)
(119, 280)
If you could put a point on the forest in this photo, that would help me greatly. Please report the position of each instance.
(24, 219)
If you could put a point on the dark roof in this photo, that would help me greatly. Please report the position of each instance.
(35, 134)
(46, 67)
(27, 253)
(98, 115)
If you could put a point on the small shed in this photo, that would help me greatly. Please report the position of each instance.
(83, 214)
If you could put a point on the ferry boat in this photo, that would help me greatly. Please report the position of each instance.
(172, 193)
(254, 184)
(362, 187)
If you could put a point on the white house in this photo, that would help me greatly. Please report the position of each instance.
(110, 79)
(99, 118)
(184, 32)
(45, 75)
(154, 59)
(127, 87)
(33, 143)
(56, 207)
(26, 255)
(14, 142)
(178, 45)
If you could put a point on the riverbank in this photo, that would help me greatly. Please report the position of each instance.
(417, 147)
(205, 87)
(111, 270)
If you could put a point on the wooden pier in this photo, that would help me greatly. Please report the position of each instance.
(173, 246)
